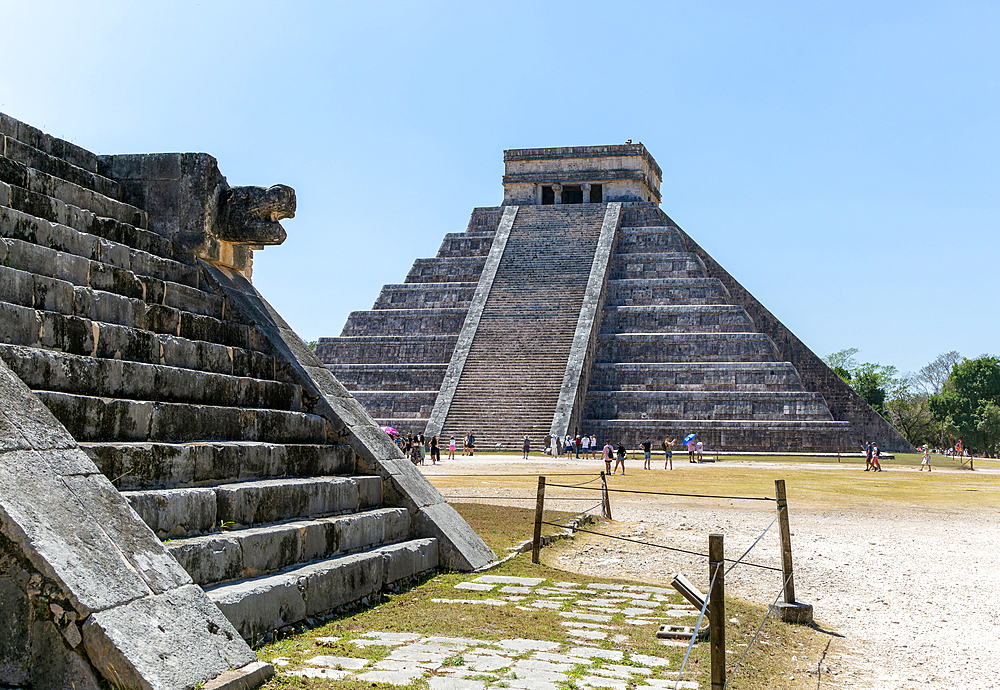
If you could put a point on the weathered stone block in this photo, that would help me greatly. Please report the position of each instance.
(257, 606)
(176, 512)
(175, 639)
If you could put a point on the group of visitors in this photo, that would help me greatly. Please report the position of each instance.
(417, 446)
(569, 445)
(872, 455)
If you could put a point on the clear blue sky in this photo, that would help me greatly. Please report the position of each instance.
(839, 159)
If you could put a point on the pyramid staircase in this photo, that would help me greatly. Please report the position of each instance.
(187, 403)
(511, 379)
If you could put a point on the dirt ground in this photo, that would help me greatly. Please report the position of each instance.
(910, 595)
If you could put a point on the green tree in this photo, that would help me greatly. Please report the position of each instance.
(907, 408)
(869, 380)
(969, 403)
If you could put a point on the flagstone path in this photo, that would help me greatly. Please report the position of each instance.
(593, 613)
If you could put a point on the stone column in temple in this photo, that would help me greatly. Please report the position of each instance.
(557, 193)
(586, 192)
(538, 194)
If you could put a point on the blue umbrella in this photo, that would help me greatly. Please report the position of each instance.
(688, 438)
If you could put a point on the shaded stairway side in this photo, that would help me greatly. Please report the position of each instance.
(678, 355)
(393, 357)
(510, 383)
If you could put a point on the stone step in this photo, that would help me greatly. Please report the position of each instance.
(186, 512)
(51, 145)
(656, 265)
(73, 255)
(387, 322)
(247, 553)
(714, 405)
(387, 349)
(685, 347)
(99, 419)
(676, 318)
(148, 465)
(19, 175)
(267, 603)
(425, 295)
(732, 435)
(58, 167)
(390, 377)
(451, 269)
(82, 336)
(50, 370)
(456, 244)
(642, 240)
(720, 376)
(667, 291)
(56, 211)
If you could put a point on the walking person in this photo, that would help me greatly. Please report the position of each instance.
(451, 448)
(608, 453)
(868, 456)
(586, 446)
(690, 449)
(876, 453)
(470, 441)
(668, 452)
(576, 446)
(926, 460)
(700, 450)
(593, 446)
(621, 458)
(526, 447)
(435, 451)
(647, 452)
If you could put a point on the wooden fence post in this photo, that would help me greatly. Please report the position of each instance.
(790, 610)
(605, 498)
(536, 544)
(717, 609)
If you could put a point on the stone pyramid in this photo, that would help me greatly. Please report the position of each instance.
(178, 472)
(579, 306)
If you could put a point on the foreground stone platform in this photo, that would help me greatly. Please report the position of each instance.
(178, 472)
(580, 307)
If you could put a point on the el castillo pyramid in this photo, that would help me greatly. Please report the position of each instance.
(579, 306)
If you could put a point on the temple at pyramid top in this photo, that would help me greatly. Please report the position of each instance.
(580, 175)
(578, 306)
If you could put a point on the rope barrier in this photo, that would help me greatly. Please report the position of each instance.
(523, 498)
(737, 562)
(574, 486)
(662, 546)
(697, 627)
(573, 517)
(664, 493)
(759, 628)
(534, 474)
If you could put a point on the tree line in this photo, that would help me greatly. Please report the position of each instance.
(951, 398)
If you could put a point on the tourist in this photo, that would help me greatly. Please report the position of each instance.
(470, 443)
(876, 454)
(926, 460)
(868, 456)
(593, 446)
(621, 458)
(526, 447)
(690, 447)
(586, 446)
(451, 448)
(576, 446)
(569, 445)
(699, 449)
(421, 446)
(668, 452)
(608, 453)
(647, 452)
(435, 451)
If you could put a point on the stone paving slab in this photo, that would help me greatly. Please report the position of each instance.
(338, 662)
(584, 616)
(601, 682)
(508, 580)
(522, 645)
(477, 586)
(598, 653)
(481, 602)
(326, 673)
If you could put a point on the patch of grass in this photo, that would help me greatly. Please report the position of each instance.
(502, 527)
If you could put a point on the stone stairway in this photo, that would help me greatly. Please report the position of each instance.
(675, 355)
(183, 401)
(511, 379)
(393, 357)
